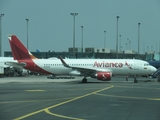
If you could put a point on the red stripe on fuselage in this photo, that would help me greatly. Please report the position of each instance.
(30, 65)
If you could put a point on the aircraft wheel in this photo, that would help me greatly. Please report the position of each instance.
(84, 80)
(135, 81)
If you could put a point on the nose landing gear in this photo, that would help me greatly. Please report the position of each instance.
(135, 80)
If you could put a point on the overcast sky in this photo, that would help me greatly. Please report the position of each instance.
(51, 25)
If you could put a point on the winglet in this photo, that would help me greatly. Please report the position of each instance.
(63, 62)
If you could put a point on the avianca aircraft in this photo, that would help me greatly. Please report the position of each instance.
(102, 69)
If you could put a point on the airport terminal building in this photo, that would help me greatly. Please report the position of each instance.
(88, 53)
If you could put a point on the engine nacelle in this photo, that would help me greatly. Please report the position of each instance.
(75, 72)
(22, 71)
(25, 72)
(104, 76)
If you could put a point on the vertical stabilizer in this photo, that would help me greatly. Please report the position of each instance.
(19, 51)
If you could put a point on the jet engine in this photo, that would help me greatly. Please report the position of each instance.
(75, 72)
(104, 76)
(21, 71)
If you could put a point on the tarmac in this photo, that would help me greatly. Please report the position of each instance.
(33, 78)
(39, 98)
(42, 79)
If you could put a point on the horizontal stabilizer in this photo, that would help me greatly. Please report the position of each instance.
(15, 64)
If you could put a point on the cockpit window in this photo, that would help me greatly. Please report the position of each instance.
(146, 64)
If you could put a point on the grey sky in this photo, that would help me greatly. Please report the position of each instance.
(51, 25)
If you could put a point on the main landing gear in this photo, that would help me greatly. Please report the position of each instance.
(135, 80)
(84, 80)
(127, 78)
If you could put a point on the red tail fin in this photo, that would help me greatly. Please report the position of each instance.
(19, 51)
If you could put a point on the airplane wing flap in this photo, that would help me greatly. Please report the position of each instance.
(90, 71)
(15, 64)
(85, 69)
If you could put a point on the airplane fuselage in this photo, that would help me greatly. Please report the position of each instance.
(102, 69)
(117, 67)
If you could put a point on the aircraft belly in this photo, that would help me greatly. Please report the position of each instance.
(61, 71)
(121, 72)
(134, 72)
(129, 72)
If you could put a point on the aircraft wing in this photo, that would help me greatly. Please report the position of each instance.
(15, 64)
(85, 70)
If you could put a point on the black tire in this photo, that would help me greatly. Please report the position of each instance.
(84, 80)
(135, 81)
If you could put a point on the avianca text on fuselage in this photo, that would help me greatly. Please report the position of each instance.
(110, 64)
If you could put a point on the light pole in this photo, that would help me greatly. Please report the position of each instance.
(82, 38)
(27, 31)
(74, 14)
(138, 36)
(1, 15)
(144, 47)
(104, 39)
(117, 40)
(120, 42)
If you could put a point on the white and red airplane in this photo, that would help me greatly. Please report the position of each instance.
(102, 69)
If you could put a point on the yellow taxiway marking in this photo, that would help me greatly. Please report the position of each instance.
(154, 98)
(35, 90)
(136, 87)
(129, 97)
(62, 116)
(62, 103)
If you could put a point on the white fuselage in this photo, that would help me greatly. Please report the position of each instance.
(3, 60)
(115, 66)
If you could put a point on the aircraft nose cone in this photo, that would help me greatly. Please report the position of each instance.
(154, 69)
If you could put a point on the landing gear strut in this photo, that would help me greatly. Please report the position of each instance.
(135, 80)
(84, 80)
(127, 78)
